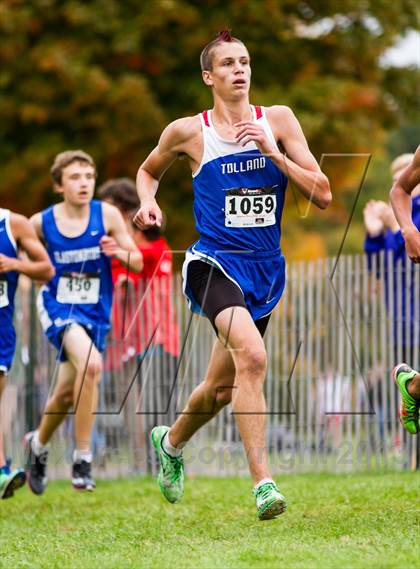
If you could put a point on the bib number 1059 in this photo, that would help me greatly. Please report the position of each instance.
(250, 207)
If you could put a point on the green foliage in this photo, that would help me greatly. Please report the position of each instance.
(359, 520)
(107, 76)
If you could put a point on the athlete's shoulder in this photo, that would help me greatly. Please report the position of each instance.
(283, 122)
(181, 130)
(280, 112)
(20, 226)
(185, 125)
(36, 221)
(111, 217)
(410, 177)
(18, 222)
(107, 208)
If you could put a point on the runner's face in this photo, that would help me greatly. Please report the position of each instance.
(77, 183)
(231, 74)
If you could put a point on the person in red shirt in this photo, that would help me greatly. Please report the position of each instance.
(144, 322)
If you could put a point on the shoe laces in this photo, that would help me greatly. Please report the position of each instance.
(83, 468)
(175, 468)
(265, 490)
(41, 463)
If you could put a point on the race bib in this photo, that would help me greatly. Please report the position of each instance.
(4, 299)
(250, 207)
(78, 288)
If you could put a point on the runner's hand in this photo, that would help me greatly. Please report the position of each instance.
(7, 263)
(109, 246)
(250, 131)
(386, 215)
(412, 245)
(149, 215)
(372, 219)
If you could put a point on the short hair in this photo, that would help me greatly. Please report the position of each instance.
(122, 192)
(151, 234)
(401, 162)
(66, 158)
(206, 57)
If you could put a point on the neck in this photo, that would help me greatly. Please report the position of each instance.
(75, 210)
(231, 112)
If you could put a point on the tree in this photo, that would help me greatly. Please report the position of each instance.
(107, 75)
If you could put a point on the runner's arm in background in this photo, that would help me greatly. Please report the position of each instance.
(401, 204)
(119, 243)
(37, 265)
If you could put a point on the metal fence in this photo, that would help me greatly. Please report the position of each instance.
(331, 404)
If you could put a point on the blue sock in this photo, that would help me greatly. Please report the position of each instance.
(5, 469)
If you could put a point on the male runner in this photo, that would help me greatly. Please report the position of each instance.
(404, 192)
(384, 235)
(81, 236)
(235, 272)
(16, 235)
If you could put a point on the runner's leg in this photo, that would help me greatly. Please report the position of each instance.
(58, 403)
(207, 398)
(87, 361)
(248, 351)
(2, 386)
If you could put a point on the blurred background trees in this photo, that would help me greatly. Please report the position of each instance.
(106, 76)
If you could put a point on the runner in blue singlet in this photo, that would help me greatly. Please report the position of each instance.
(16, 235)
(235, 272)
(405, 190)
(81, 235)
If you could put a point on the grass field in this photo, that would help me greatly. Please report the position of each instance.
(347, 521)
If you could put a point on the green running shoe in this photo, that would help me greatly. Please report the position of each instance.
(10, 481)
(171, 471)
(270, 503)
(409, 410)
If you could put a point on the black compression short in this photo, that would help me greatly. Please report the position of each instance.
(214, 292)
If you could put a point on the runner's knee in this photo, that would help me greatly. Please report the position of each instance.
(94, 369)
(252, 361)
(65, 397)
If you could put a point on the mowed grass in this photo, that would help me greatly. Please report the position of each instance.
(333, 521)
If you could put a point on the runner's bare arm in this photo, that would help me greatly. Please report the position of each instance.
(36, 221)
(37, 265)
(298, 163)
(401, 204)
(172, 143)
(118, 243)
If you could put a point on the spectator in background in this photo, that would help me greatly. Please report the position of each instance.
(382, 229)
(148, 325)
(384, 234)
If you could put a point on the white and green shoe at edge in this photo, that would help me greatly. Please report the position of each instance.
(270, 503)
(171, 470)
(10, 481)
